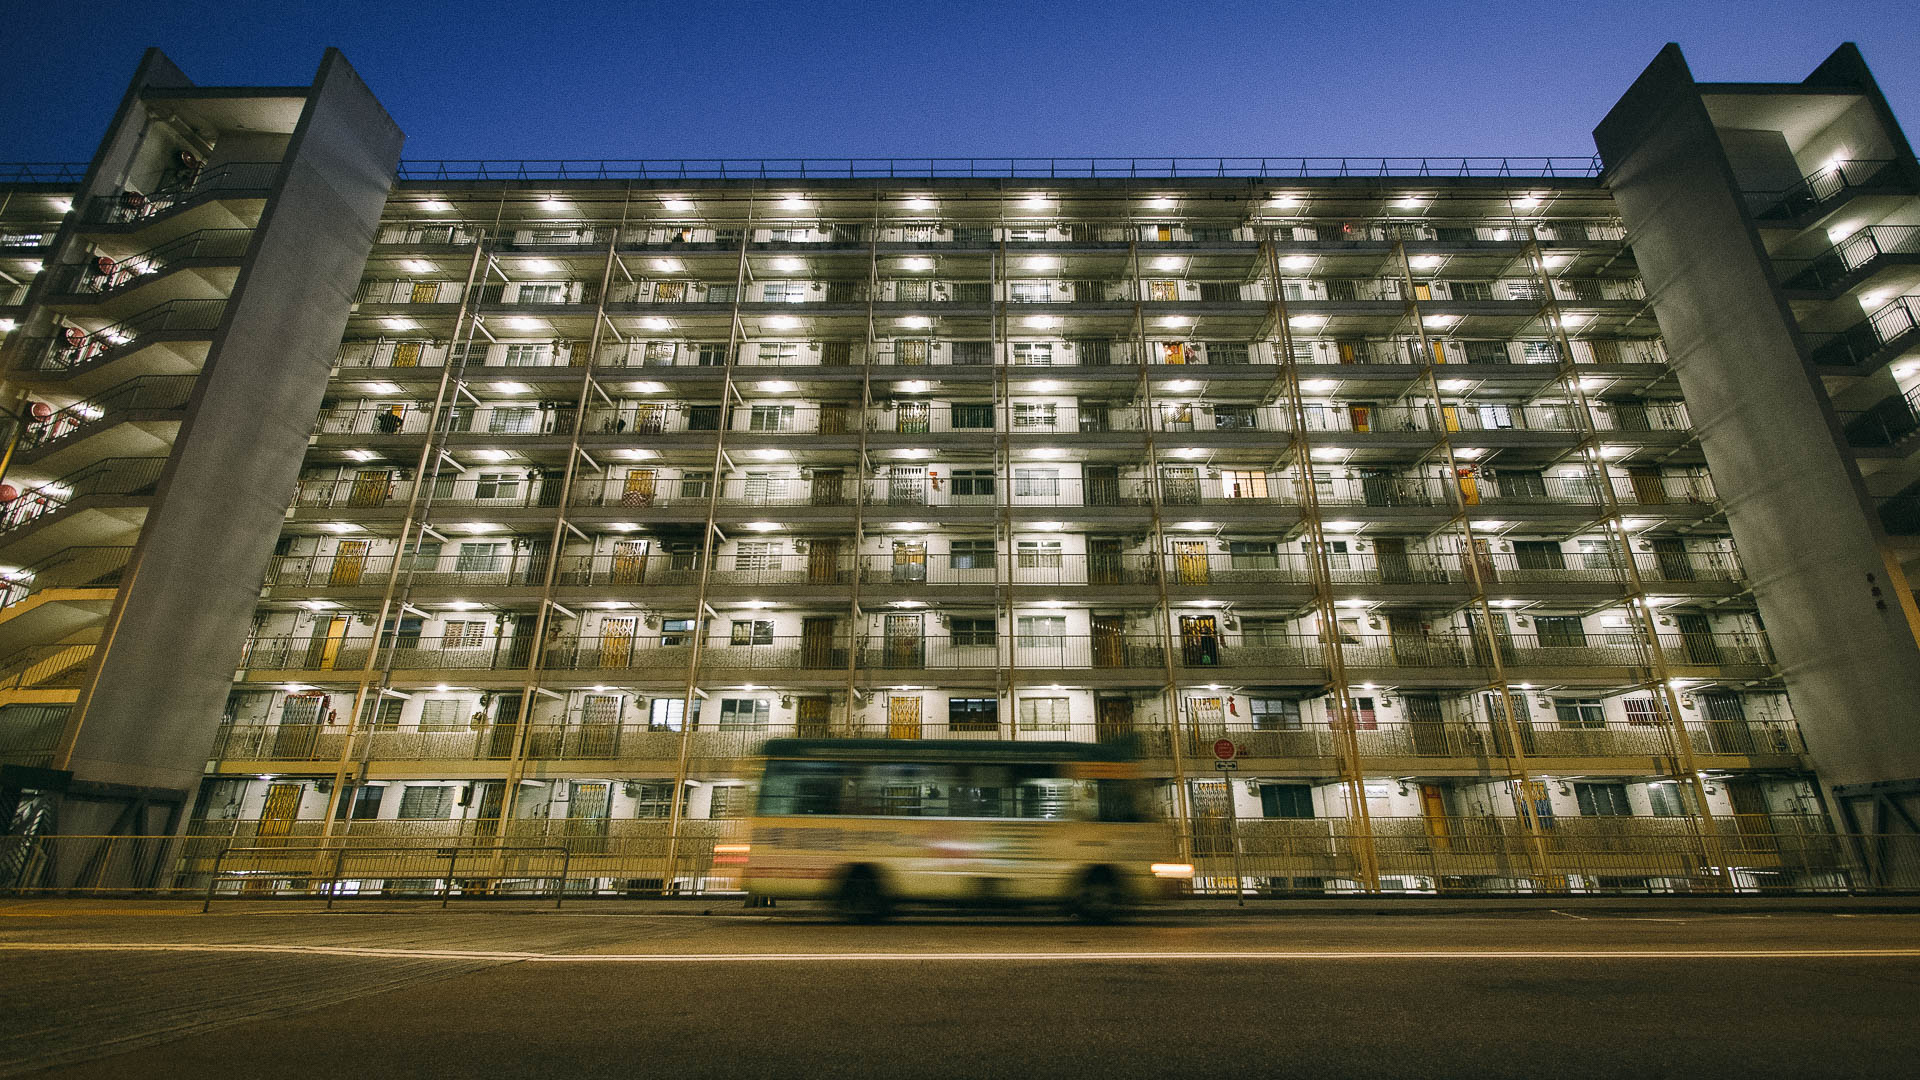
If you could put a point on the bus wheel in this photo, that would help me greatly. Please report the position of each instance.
(1098, 898)
(860, 899)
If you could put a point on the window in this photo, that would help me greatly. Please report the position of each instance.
(523, 354)
(1038, 631)
(674, 632)
(364, 804)
(972, 633)
(1668, 800)
(1043, 714)
(1364, 717)
(1253, 555)
(703, 418)
(972, 416)
(545, 292)
(1470, 290)
(1580, 713)
(653, 798)
(1539, 352)
(1274, 714)
(1286, 801)
(1523, 290)
(1602, 800)
(384, 712)
(784, 292)
(751, 632)
(1243, 484)
(1559, 631)
(497, 486)
(665, 714)
(1643, 712)
(973, 483)
(713, 353)
(1038, 553)
(1035, 415)
(779, 353)
(512, 420)
(696, 485)
(729, 801)
(971, 555)
(465, 635)
(973, 352)
(1259, 631)
(973, 714)
(1235, 418)
(755, 555)
(1030, 235)
(770, 418)
(1037, 483)
(483, 557)
(1033, 353)
(441, 714)
(744, 713)
(426, 555)
(423, 802)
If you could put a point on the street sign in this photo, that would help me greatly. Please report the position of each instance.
(1226, 766)
(1224, 749)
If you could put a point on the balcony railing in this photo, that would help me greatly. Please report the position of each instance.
(73, 568)
(1856, 253)
(246, 178)
(1000, 168)
(148, 393)
(111, 477)
(46, 667)
(1887, 326)
(102, 275)
(76, 348)
(1889, 423)
(1823, 187)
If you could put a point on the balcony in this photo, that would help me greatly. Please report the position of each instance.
(74, 568)
(1889, 424)
(112, 478)
(175, 320)
(1821, 191)
(1886, 333)
(237, 179)
(103, 276)
(144, 395)
(1856, 257)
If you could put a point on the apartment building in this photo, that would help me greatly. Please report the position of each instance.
(1375, 503)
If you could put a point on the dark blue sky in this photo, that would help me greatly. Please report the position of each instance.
(714, 78)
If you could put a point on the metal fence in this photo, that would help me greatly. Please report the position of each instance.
(1001, 168)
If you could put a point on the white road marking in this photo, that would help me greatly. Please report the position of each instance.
(375, 952)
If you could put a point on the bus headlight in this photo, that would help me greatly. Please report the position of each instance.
(1160, 869)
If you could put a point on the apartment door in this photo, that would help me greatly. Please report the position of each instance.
(1670, 554)
(1212, 817)
(1395, 567)
(328, 636)
(1439, 352)
(370, 487)
(823, 560)
(599, 726)
(1469, 482)
(300, 720)
(1352, 352)
(909, 561)
(1751, 818)
(1502, 636)
(1696, 639)
(1190, 562)
(1206, 723)
(1199, 641)
(425, 292)
(1648, 488)
(1407, 636)
(349, 560)
(1483, 564)
(616, 641)
(912, 418)
(1426, 724)
(406, 354)
(1496, 707)
(629, 562)
(639, 487)
(504, 735)
(1112, 718)
(493, 796)
(903, 641)
(826, 485)
(1103, 485)
(903, 717)
(589, 807)
(1109, 641)
(1360, 416)
(816, 642)
(1376, 487)
(833, 419)
(1104, 561)
(649, 418)
(1433, 808)
(907, 485)
(811, 717)
(277, 816)
(1180, 486)
(1727, 723)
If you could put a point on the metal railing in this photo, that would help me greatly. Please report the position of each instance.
(234, 176)
(998, 167)
(1860, 342)
(121, 477)
(1819, 188)
(74, 349)
(101, 274)
(1889, 423)
(73, 568)
(1855, 253)
(147, 393)
(324, 868)
(45, 667)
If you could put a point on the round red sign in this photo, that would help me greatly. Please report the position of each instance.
(1223, 749)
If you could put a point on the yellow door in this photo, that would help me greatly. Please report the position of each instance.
(903, 718)
(669, 292)
(1173, 352)
(336, 635)
(283, 805)
(1163, 233)
(1433, 807)
(1439, 352)
(406, 354)
(1361, 416)
(425, 292)
(1164, 290)
(1422, 291)
(1190, 561)
(369, 488)
(1450, 416)
(629, 562)
(639, 489)
(349, 559)
(616, 642)
(1469, 487)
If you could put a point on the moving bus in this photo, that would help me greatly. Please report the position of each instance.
(871, 823)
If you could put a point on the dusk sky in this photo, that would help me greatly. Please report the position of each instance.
(712, 78)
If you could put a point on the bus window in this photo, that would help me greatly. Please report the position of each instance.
(1124, 800)
(806, 787)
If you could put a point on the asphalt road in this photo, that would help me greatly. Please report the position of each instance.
(106, 990)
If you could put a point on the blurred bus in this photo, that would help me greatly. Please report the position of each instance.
(872, 823)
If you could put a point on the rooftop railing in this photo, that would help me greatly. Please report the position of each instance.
(1068, 168)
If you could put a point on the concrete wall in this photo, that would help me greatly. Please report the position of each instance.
(149, 716)
(1794, 501)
